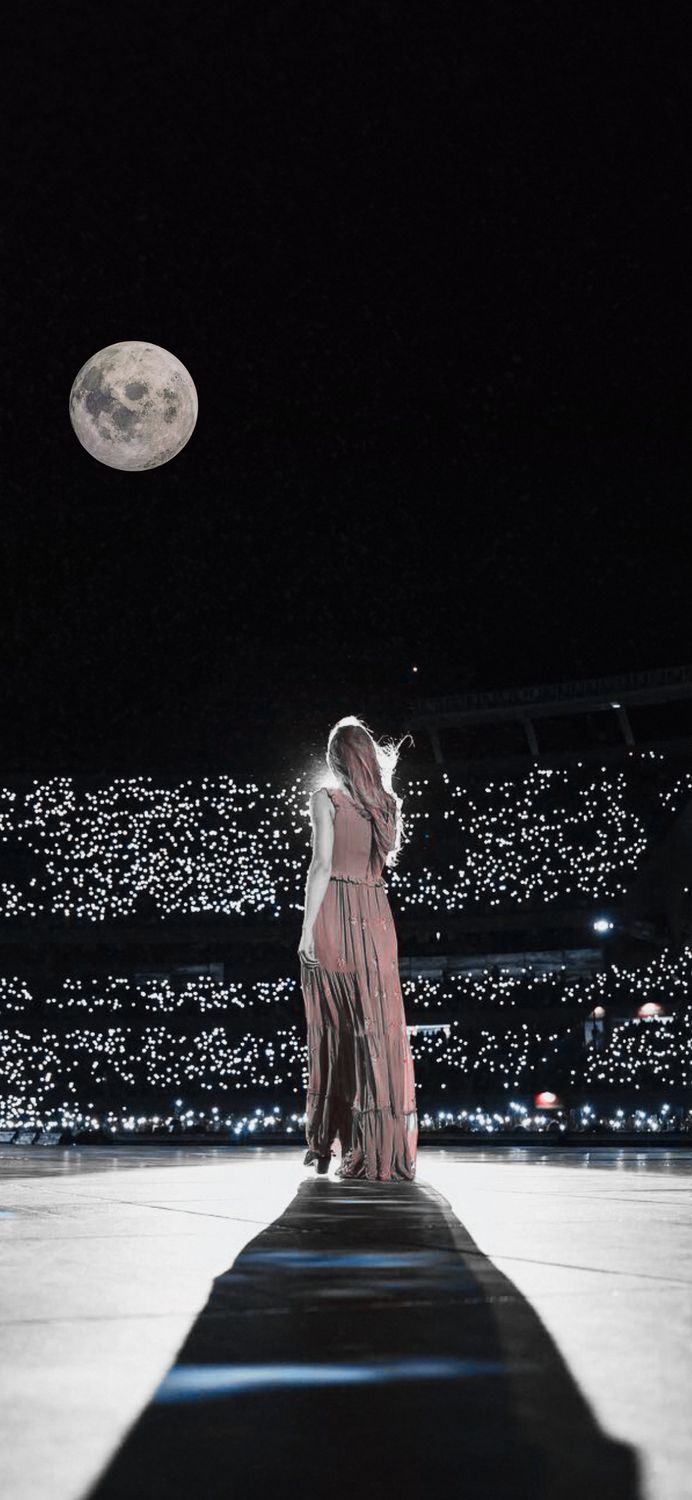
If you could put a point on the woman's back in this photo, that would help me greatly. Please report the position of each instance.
(353, 840)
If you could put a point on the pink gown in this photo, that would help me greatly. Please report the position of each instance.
(361, 1083)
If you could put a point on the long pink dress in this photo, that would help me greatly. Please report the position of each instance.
(361, 1083)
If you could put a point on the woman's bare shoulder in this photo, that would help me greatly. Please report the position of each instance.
(323, 797)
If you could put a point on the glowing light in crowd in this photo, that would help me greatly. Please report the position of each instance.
(221, 847)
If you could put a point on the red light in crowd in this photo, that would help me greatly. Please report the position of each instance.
(545, 1100)
(650, 1008)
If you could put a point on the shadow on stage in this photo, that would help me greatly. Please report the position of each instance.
(363, 1346)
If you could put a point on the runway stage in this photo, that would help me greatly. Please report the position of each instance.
(516, 1322)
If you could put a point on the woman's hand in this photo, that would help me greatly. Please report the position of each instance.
(306, 951)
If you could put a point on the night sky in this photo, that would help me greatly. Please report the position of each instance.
(428, 265)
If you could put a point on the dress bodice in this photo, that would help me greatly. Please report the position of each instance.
(353, 840)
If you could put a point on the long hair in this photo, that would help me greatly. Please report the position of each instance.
(366, 767)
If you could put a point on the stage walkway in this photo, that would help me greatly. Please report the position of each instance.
(220, 1322)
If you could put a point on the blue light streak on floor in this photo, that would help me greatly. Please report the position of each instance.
(206, 1382)
(366, 1259)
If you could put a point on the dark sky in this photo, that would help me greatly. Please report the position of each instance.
(428, 265)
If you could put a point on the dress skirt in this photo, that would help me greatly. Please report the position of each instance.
(361, 1083)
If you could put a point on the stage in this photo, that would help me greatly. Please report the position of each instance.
(517, 1321)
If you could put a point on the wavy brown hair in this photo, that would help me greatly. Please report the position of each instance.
(366, 766)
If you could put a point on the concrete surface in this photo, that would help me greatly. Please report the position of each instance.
(109, 1259)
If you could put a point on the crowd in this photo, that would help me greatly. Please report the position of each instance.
(89, 1047)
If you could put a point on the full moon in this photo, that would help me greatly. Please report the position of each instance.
(133, 406)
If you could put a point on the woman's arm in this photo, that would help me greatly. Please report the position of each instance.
(321, 864)
(318, 880)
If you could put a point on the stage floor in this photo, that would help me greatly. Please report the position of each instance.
(517, 1321)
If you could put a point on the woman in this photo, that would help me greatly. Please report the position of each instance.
(361, 1083)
